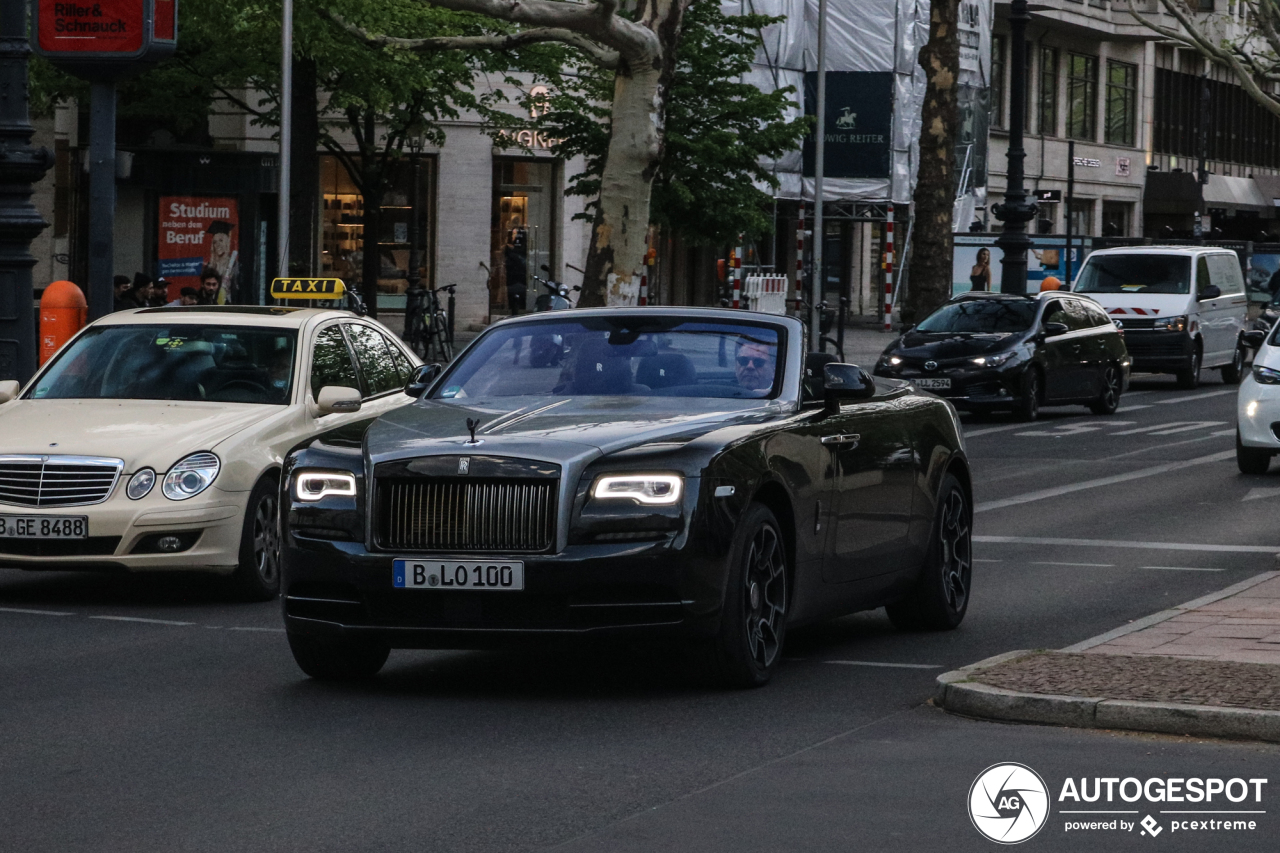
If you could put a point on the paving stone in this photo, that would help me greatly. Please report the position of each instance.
(1251, 632)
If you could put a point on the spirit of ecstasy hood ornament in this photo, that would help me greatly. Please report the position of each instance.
(472, 423)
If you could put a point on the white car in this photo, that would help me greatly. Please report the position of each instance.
(1258, 405)
(153, 440)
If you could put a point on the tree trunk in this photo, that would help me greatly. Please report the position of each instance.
(371, 262)
(931, 254)
(305, 169)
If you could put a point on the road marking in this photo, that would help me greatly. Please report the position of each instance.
(1181, 569)
(1223, 432)
(989, 430)
(140, 619)
(1195, 426)
(1133, 408)
(1117, 543)
(269, 630)
(1104, 481)
(1197, 397)
(1259, 494)
(36, 612)
(1083, 565)
(1076, 428)
(879, 663)
(988, 561)
(1170, 428)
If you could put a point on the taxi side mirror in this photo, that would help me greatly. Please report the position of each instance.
(421, 380)
(338, 399)
(846, 382)
(9, 389)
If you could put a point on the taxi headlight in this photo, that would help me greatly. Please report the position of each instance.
(1266, 376)
(313, 485)
(648, 489)
(140, 484)
(190, 476)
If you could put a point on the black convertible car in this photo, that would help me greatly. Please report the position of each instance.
(649, 472)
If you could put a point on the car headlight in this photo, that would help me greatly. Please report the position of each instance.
(992, 360)
(190, 476)
(1171, 324)
(1266, 376)
(140, 484)
(648, 489)
(314, 485)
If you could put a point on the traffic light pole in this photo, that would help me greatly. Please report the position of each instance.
(102, 197)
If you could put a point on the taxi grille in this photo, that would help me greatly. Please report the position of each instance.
(467, 515)
(57, 480)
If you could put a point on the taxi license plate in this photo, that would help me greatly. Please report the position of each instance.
(495, 575)
(932, 384)
(44, 526)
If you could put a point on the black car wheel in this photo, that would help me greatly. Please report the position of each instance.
(338, 658)
(1028, 408)
(1108, 399)
(1189, 377)
(1234, 372)
(257, 576)
(1251, 460)
(941, 594)
(753, 622)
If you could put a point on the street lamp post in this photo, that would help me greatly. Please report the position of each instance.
(21, 165)
(414, 292)
(1017, 209)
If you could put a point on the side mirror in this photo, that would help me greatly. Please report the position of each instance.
(1253, 339)
(1054, 329)
(335, 399)
(9, 389)
(421, 380)
(1210, 291)
(845, 382)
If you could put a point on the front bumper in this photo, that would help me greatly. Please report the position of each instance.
(1258, 414)
(978, 388)
(646, 589)
(121, 532)
(1157, 352)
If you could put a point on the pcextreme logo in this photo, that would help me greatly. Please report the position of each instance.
(1009, 803)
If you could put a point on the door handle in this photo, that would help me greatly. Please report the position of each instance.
(848, 439)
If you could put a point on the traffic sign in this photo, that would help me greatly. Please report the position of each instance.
(307, 288)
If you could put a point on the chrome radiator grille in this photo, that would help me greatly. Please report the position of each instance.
(57, 480)
(462, 515)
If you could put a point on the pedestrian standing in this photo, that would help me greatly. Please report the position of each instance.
(211, 290)
(121, 302)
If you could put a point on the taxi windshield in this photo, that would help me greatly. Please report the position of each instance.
(1142, 273)
(189, 362)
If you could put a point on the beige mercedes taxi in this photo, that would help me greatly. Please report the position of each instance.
(153, 439)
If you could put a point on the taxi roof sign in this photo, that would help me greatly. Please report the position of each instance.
(307, 288)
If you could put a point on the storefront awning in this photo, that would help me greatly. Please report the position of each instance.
(1235, 194)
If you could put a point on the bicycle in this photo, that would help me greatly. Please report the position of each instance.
(428, 328)
(827, 317)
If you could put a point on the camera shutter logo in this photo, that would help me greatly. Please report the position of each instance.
(1008, 803)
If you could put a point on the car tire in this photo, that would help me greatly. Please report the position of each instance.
(1251, 460)
(1189, 377)
(338, 658)
(940, 597)
(1234, 372)
(257, 575)
(753, 620)
(1028, 408)
(1108, 399)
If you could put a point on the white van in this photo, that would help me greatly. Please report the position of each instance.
(1181, 307)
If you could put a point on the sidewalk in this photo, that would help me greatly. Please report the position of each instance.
(1210, 667)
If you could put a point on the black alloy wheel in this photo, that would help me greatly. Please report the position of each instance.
(941, 593)
(1251, 460)
(1028, 407)
(257, 576)
(753, 621)
(1189, 377)
(338, 658)
(1108, 399)
(1234, 372)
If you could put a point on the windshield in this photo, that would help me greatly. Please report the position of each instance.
(1135, 274)
(981, 316)
(225, 364)
(632, 356)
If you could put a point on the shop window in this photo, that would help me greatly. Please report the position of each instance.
(1116, 216)
(523, 235)
(1082, 217)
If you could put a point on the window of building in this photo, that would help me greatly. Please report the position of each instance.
(1082, 96)
(1116, 218)
(1122, 102)
(1048, 120)
(523, 233)
(998, 43)
(1082, 217)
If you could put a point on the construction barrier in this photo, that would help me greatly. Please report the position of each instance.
(766, 293)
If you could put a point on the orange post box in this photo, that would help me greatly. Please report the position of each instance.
(63, 312)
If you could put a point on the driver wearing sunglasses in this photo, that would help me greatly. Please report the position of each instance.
(754, 366)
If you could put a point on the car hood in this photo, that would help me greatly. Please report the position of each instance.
(556, 428)
(1121, 305)
(141, 432)
(915, 345)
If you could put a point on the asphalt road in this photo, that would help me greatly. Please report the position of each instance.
(152, 714)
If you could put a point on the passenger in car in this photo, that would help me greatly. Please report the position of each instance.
(754, 370)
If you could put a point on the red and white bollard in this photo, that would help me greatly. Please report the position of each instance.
(800, 261)
(888, 272)
(737, 275)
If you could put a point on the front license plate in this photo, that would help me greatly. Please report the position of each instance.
(44, 526)
(435, 574)
(932, 384)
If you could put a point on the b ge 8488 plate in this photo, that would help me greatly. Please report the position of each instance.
(494, 575)
(44, 526)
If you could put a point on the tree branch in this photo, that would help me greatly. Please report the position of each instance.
(597, 21)
(602, 56)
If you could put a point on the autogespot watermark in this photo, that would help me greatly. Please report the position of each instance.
(1009, 803)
